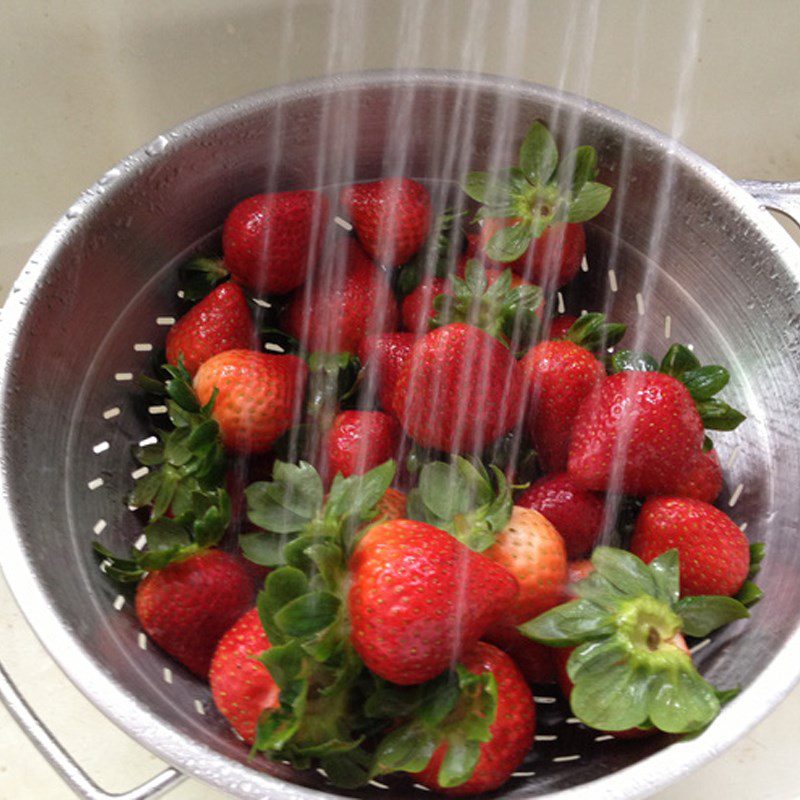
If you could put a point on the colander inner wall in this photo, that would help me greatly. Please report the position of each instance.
(107, 293)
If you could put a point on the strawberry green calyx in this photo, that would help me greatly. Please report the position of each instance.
(173, 539)
(188, 459)
(457, 709)
(304, 614)
(629, 666)
(751, 593)
(294, 513)
(437, 259)
(538, 192)
(504, 311)
(463, 499)
(592, 332)
(200, 275)
(703, 382)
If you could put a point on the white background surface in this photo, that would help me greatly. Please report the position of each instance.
(82, 83)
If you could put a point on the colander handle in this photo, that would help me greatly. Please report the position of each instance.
(63, 763)
(778, 196)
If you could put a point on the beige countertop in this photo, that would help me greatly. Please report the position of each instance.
(87, 81)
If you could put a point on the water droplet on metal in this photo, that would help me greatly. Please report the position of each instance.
(74, 211)
(158, 145)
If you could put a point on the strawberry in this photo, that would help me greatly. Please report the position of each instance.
(532, 212)
(419, 599)
(271, 241)
(635, 433)
(576, 514)
(188, 605)
(532, 550)
(558, 376)
(259, 395)
(511, 732)
(418, 310)
(219, 322)
(577, 571)
(391, 217)
(359, 441)
(629, 666)
(534, 660)
(351, 299)
(702, 479)
(391, 506)
(552, 260)
(382, 356)
(714, 553)
(241, 685)
(459, 390)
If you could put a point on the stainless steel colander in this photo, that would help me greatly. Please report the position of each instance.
(702, 264)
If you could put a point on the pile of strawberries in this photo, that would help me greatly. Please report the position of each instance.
(371, 538)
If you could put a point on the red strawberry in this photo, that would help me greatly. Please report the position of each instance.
(551, 260)
(383, 356)
(577, 571)
(558, 375)
(361, 440)
(392, 505)
(635, 433)
(188, 605)
(714, 553)
(459, 390)
(702, 479)
(221, 321)
(270, 241)
(535, 661)
(512, 731)
(419, 599)
(576, 513)
(560, 325)
(258, 398)
(418, 309)
(532, 550)
(348, 301)
(240, 684)
(391, 217)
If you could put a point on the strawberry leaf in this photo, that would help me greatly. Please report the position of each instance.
(594, 333)
(576, 168)
(678, 360)
(665, 570)
(703, 614)
(569, 624)
(704, 382)
(589, 202)
(459, 763)
(630, 361)
(462, 499)
(749, 594)
(199, 276)
(503, 311)
(538, 155)
(627, 666)
(308, 614)
(263, 548)
(624, 570)
(682, 702)
(757, 552)
(511, 242)
(719, 416)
